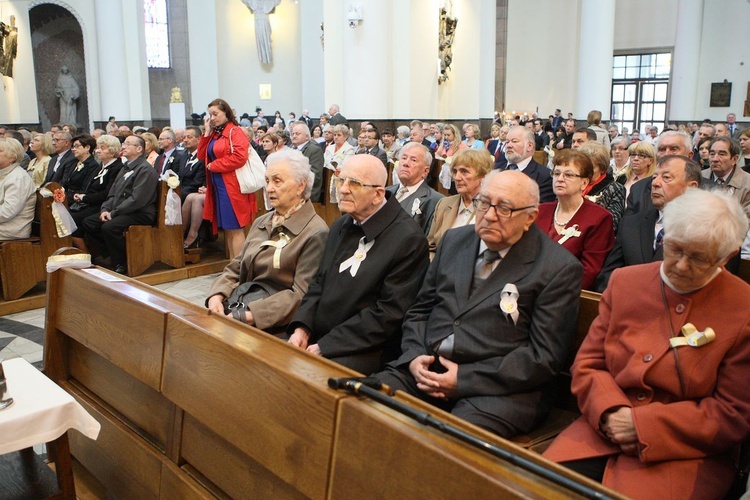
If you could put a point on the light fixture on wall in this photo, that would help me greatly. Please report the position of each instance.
(354, 15)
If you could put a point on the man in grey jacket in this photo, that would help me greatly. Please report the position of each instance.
(131, 200)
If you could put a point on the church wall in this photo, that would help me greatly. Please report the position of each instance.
(645, 24)
(240, 69)
(542, 58)
(725, 54)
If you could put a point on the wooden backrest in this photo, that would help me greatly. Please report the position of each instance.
(258, 393)
(161, 203)
(379, 449)
(227, 409)
(47, 226)
(540, 157)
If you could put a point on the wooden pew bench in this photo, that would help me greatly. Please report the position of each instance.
(194, 405)
(22, 262)
(147, 245)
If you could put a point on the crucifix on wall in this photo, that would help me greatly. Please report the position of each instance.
(261, 9)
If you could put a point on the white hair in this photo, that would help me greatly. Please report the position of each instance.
(299, 166)
(722, 220)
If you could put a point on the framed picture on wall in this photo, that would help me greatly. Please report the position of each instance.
(721, 94)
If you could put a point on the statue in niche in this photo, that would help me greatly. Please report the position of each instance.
(8, 46)
(68, 92)
(176, 95)
(261, 9)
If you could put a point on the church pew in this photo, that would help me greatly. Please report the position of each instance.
(147, 245)
(565, 410)
(370, 456)
(22, 262)
(540, 157)
(327, 210)
(196, 403)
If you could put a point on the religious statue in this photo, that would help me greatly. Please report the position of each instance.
(446, 34)
(261, 9)
(8, 46)
(176, 95)
(68, 92)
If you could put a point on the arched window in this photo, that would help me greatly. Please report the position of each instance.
(157, 33)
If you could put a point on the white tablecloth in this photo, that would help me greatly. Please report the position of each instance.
(41, 411)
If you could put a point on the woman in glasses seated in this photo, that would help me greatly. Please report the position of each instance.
(264, 284)
(468, 168)
(661, 377)
(642, 164)
(581, 226)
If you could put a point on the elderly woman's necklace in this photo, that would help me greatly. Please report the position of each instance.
(563, 224)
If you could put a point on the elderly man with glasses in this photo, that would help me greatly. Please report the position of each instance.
(131, 200)
(62, 160)
(372, 266)
(495, 319)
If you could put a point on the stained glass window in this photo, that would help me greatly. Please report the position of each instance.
(157, 33)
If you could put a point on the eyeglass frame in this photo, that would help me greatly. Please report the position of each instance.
(339, 182)
(568, 176)
(700, 263)
(642, 156)
(511, 211)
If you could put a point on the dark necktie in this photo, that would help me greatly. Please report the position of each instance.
(512, 166)
(483, 268)
(659, 240)
(159, 163)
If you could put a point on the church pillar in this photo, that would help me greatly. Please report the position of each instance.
(686, 60)
(113, 81)
(203, 53)
(595, 51)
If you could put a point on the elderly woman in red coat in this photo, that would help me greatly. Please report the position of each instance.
(661, 378)
(223, 149)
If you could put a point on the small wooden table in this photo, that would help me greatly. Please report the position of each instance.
(42, 412)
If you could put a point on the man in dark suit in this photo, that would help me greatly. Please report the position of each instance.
(131, 200)
(190, 168)
(306, 118)
(734, 129)
(501, 161)
(301, 141)
(668, 143)
(639, 238)
(495, 319)
(557, 120)
(170, 158)
(62, 160)
(336, 117)
(416, 198)
(540, 136)
(372, 266)
(372, 137)
(519, 151)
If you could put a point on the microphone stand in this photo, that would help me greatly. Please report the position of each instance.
(369, 386)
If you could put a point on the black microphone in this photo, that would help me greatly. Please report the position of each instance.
(351, 384)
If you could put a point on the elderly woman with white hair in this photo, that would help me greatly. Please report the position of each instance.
(96, 188)
(661, 377)
(17, 193)
(264, 284)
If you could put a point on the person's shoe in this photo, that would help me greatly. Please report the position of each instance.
(120, 269)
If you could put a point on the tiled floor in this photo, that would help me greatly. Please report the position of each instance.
(22, 334)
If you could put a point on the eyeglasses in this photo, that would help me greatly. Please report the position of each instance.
(568, 176)
(500, 210)
(642, 156)
(697, 261)
(354, 184)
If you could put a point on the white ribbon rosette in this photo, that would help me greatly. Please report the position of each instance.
(570, 232)
(415, 208)
(509, 302)
(353, 262)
